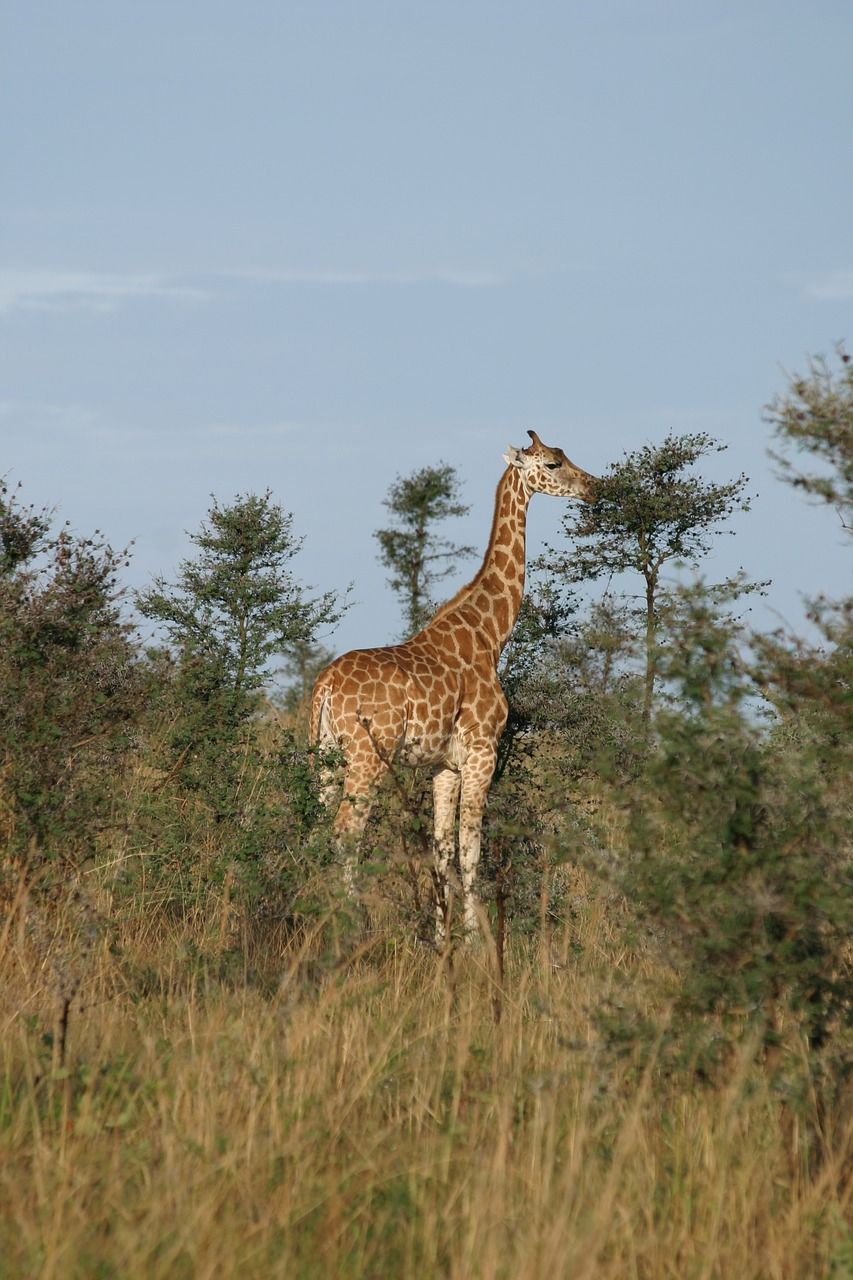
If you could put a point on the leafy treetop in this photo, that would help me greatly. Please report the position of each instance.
(815, 417)
(650, 509)
(237, 603)
(413, 552)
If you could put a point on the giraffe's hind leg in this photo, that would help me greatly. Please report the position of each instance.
(445, 801)
(360, 782)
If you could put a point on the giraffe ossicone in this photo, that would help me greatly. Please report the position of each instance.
(436, 700)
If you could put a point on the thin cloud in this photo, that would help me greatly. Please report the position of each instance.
(44, 290)
(90, 429)
(828, 286)
(26, 289)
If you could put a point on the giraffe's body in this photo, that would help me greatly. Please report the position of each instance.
(436, 699)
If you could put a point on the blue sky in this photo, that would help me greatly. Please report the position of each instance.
(313, 246)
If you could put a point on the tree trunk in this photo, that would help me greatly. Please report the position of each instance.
(651, 637)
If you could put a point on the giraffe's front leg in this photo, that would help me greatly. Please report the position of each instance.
(445, 799)
(476, 777)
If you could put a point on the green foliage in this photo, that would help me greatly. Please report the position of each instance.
(237, 604)
(650, 509)
(727, 827)
(741, 856)
(809, 684)
(416, 556)
(303, 662)
(234, 607)
(544, 617)
(69, 687)
(257, 844)
(573, 688)
(516, 869)
(23, 532)
(815, 418)
(573, 721)
(70, 692)
(701, 770)
(237, 793)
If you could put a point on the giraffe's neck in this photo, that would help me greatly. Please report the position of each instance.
(491, 601)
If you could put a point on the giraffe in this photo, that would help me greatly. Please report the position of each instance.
(436, 699)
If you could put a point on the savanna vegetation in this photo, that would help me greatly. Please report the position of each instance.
(642, 1068)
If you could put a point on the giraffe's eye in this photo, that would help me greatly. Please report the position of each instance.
(553, 466)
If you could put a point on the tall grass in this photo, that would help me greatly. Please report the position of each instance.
(273, 1112)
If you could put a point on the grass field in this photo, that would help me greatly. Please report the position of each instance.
(264, 1111)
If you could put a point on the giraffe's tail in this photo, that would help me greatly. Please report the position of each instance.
(322, 737)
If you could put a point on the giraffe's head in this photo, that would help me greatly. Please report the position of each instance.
(547, 470)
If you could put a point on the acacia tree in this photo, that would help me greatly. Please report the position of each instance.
(649, 509)
(416, 556)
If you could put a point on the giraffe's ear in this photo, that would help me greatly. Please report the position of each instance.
(513, 457)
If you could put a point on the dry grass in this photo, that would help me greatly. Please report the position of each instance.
(370, 1119)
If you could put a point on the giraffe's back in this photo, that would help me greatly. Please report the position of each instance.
(398, 699)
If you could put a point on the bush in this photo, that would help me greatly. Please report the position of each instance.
(740, 853)
(70, 690)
